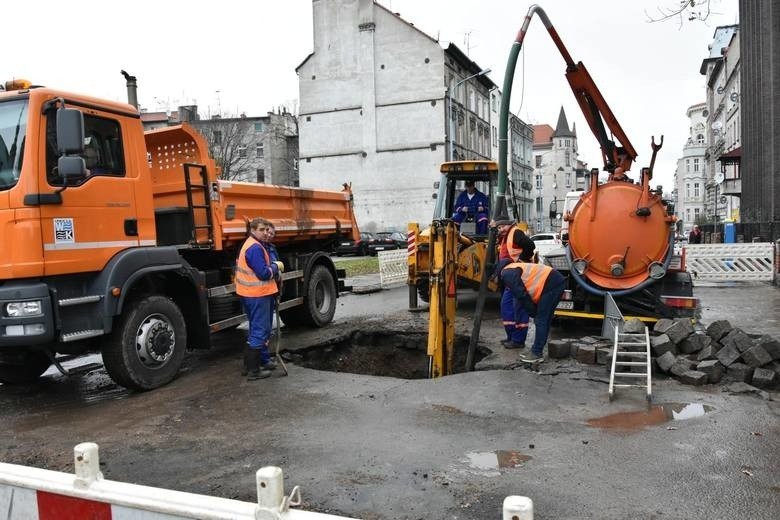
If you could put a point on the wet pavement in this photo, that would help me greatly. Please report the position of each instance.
(389, 448)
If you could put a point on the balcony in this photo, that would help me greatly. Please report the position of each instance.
(731, 187)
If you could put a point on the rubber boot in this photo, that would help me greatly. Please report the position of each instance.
(255, 372)
(245, 362)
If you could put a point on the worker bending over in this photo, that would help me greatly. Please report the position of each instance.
(538, 288)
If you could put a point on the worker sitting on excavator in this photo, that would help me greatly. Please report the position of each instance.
(538, 288)
(514, 246)
(472, 203)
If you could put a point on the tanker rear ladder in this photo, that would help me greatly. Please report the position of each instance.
(626, 352)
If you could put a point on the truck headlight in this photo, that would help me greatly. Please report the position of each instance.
(21, 309)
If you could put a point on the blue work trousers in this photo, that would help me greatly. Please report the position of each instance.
(551, 295)
(480, 218)
(514, 316)
(260, 313)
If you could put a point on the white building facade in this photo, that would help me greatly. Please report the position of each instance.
(374, 109)
(556, 169)
(690, 177)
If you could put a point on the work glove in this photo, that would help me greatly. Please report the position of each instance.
(279, 265)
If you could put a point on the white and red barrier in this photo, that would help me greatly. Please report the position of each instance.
(31, 493)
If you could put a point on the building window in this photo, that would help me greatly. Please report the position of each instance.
(538, 182)
(260, 175)
(538, 161)
(495, 137)
(688, 215)
(258, 127)
(700, 139)
(260, 150)
(695, 189)
(567, 143)
(687, 191)
(242, 152)
(696, 212)
(539, 206)
(494, 103)
(687, 166)
(568, 158)
(695, 165)
(568, 179)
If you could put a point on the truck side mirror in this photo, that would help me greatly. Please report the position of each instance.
(69, 166)
(70, 132)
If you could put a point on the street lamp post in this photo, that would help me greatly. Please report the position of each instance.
(449, 106)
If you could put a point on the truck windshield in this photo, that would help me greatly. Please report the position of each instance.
(13, 128)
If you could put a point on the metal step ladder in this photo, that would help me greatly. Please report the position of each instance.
(205, 207)
(631, 350)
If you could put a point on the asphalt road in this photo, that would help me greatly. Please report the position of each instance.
(385, 448)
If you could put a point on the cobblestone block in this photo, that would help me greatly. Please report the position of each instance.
(662, 325)
(603, 355)
(718, 329)
(634, 326)
(694, 343)
(574, 347)
(662, 344)
(708, 352)
(728, 355)
(693, 377)
(740, 372)
(713, 369)
(763, 378)
(770, 344)
(590, 340)
(681, 365)
(558, 349)
(680, 329)
(756, 357)
(666, 361)
(586, 354)
(738, 339)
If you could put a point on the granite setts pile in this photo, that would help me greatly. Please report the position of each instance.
(721, 353)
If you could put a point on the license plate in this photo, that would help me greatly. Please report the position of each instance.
(346, 244)
(380, 248)
(565, 305)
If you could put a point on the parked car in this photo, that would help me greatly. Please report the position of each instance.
(352, 247)
(400, 239)
(546, 242)
(382, 241)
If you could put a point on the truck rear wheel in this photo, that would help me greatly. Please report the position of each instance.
(319, 302)
(27, 370)
(147, 346)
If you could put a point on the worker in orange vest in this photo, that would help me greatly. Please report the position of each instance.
(538, 288)
(255, 279)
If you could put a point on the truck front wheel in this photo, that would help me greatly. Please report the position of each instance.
(147, 346)
(24, 370)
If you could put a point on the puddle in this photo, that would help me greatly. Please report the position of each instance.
(655, 415)
(399, 354)
(494, 460)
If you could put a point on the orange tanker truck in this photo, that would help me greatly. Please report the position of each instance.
(123, 242)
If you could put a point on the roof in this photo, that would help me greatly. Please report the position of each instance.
(469, 65)
(154, 117)
(562, 128)
(732, 155)
(542, 134)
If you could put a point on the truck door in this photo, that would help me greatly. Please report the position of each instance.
(97, 216)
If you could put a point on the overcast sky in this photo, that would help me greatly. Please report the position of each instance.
(236, 56)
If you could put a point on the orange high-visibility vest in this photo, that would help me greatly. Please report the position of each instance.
(533, 277)
(514, 252)
(247, 282)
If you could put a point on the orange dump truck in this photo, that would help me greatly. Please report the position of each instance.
(122, 242)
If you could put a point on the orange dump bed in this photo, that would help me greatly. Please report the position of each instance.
(299, 214)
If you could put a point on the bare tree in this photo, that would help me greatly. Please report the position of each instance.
(229, 142)
(683, 10)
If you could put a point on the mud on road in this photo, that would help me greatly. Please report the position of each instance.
(385, 447)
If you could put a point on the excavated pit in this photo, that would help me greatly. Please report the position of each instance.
(400, 354)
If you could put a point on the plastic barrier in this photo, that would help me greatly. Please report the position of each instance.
(393, 267)
(731, 262)
(32, 493)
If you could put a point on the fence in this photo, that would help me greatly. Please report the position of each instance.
(746, 231)
(30, 493)
(731, 262)
(393, 267)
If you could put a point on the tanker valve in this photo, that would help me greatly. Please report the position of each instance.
(616, 269)
(656, 270)
(643, 212)
(579, 265)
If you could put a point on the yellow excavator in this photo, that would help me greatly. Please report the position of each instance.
(445, 256)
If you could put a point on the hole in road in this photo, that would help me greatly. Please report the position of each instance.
(398, 354)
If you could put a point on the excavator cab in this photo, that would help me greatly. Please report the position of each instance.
(454, 176)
